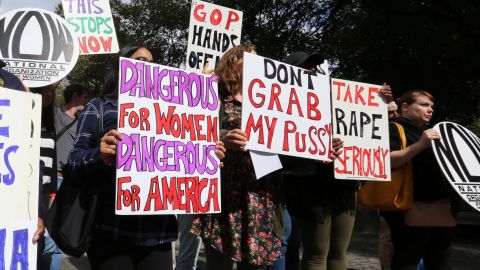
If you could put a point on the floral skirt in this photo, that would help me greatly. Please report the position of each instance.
(244, 231)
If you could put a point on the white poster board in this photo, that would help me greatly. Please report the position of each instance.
(360, 119)
(285, 109)
(458, 155)
(92, 22)
(19, 180)
(166, 161)
(38, 45)
(213, 30)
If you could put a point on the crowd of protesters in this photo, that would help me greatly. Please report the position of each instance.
(261, 226)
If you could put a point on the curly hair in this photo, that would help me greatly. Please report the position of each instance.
(229, 78)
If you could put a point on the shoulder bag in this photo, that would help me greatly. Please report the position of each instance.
(71, 217)
(394, 195)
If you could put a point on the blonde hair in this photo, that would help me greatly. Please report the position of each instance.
(229, 78)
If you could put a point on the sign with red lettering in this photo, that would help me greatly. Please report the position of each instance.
(285, 109)
(213, 30)
(360, 119)
(93, 23)
(19, 175)
(166, 160)
(38, 45)
(458, 155)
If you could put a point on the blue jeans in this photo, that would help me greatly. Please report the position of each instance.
(189, 244)
(289, 258)
(51, 256)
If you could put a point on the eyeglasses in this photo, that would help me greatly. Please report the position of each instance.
(144, 59)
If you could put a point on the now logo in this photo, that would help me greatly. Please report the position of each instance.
(38, 45)
(458, 155)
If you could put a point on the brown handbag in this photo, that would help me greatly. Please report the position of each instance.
(394, 195)
(430, 214)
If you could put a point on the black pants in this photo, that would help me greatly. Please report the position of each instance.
(106, 254)
(411, 244)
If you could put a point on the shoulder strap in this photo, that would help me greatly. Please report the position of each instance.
(65, 128)
(100, 118)
(401, 132)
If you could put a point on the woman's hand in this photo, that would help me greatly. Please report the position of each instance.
(208, 71)
(235, 140)
(337, 146)
(427, 136)
(39, 232)
(108, 144)
(386, 92)
(220, 152)
(335, 151)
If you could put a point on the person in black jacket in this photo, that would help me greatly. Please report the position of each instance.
(430, 242)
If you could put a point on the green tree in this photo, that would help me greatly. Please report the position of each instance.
(431, 45)
(428, 44)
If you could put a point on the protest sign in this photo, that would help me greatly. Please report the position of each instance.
(458, 155)
(213, 30)
(166, 160)
(38, 45)
(92, 22)
(19, 180)
(285, 109)
(360, 119)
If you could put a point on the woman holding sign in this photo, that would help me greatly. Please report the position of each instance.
(323, 207)
(247, 231)
(426, 230)
(119, 242)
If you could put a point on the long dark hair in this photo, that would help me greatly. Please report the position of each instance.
(110, 87)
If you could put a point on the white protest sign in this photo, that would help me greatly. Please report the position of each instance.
(285, 109)
(38, 45)
(19, 177)
(458, 155)
(213, 30)
(360, 119)
(92, 22)
(166, 161)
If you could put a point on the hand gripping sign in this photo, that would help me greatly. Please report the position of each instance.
(166, 162)
(458, 155)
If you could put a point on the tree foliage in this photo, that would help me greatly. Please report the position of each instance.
(410, 44)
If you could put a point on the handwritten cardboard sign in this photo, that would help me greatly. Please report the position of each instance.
(285, 109)
(458, 155)
(166, 160)
(213, 30)
(19, 180)
(360, 119)
(38, 45)
(92, 22)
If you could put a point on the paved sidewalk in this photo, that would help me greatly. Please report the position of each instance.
(362, 253)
